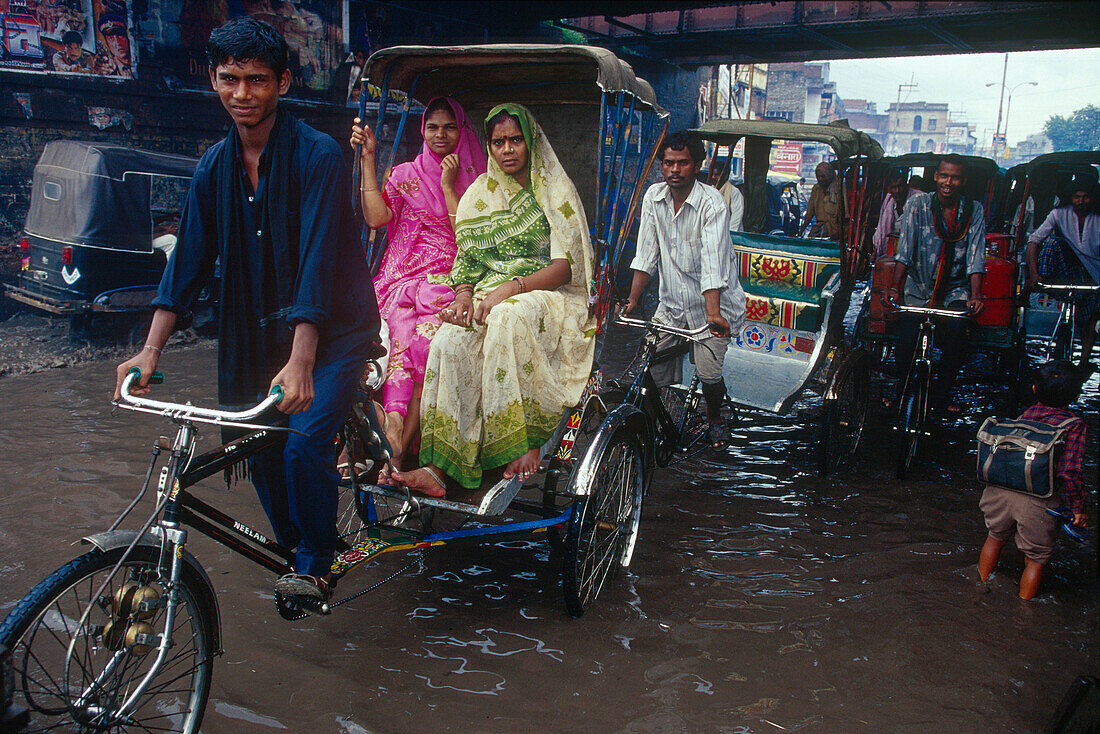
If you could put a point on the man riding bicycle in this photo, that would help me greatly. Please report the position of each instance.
(270, 203)
(1071, 255)
(940, 263)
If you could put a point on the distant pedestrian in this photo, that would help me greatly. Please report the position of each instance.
(889, 216)
(1009, 512)
(824, 206)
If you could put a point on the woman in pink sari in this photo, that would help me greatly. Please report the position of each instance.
(418, 202)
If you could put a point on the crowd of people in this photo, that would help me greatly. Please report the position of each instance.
(483, 293)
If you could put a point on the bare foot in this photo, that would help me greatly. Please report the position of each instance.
(524, 466)
(425, 481)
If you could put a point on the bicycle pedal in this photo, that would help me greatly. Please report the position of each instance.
(312, 606)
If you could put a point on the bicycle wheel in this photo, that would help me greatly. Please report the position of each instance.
(114, 650)
(912, 414)
(1062, 346)
(841, 425)
(604, 525)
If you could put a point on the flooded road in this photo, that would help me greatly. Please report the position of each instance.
(761, 598)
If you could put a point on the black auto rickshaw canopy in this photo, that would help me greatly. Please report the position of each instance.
(99, 195)
(1044, 179)
(985, 180)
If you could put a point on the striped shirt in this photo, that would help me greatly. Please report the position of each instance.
(1073, 452)
(693, 252)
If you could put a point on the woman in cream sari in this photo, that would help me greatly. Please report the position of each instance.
(516, 349)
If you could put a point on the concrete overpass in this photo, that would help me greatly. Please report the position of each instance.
(702, 33)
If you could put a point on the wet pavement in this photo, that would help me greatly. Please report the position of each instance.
(761, 598)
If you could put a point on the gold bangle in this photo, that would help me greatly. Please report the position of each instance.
(150, 346)
(366, 190)
(519, 282)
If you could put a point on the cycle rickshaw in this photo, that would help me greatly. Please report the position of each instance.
(124, 636)
(997, 330)
(1035, 189)
(797, 289)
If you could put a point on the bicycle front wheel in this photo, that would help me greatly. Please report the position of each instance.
(911, 419)
(114, 649)
(604, 526)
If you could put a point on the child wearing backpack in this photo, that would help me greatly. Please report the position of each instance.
(1023, 511)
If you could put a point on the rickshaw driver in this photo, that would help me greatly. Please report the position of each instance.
(684, 235)
(1072, 257)
(941, 245)
(297, 307)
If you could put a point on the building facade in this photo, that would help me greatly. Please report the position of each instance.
(916, 127)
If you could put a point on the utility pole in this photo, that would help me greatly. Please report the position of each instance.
(1000, 105)
(897, 109)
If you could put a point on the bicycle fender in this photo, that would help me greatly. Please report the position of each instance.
(123, 538)
(625, 415)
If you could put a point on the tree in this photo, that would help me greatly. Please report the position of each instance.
(1079, 131)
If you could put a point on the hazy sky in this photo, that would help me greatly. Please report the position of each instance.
(1067, 80)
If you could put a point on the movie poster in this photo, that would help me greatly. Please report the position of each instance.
(89, 37)
(313, 29)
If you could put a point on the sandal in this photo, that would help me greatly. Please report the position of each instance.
(361, 470)
(719, 435)
(304, 586)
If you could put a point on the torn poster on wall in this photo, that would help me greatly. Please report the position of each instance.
(88, 37)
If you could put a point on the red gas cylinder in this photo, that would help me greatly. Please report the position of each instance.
(882, 277)
(998, 291)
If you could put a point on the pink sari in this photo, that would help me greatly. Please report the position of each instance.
(421, 244)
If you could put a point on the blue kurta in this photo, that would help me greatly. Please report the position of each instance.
(330, 283)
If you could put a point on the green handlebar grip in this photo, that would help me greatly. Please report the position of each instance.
(277, 390)
(156, 379)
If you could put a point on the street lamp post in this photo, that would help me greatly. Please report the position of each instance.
(998, 134)
(1009, 109)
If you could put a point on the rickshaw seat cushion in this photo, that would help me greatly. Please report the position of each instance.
(783, 278)
(800, 311)
(785, 260)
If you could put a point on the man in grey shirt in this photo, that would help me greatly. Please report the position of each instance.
(940, 263)
(684, 235)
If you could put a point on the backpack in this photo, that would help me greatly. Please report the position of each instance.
(1021, 455)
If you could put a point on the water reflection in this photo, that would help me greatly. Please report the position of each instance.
(761, 598)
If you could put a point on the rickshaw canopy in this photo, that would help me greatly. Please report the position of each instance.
(530, 74)
(98, 195)
(844, 141)
(986, 167)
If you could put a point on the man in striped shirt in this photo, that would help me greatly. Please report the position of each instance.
(684, 235)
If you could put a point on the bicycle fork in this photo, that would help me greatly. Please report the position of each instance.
(133, 637)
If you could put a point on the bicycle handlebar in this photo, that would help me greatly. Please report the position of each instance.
(692, 334)
(1065, 288)
(178, 410)
(952, 313)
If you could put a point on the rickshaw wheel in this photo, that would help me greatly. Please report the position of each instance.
(911, 418)
(842, 421)
(605, 520)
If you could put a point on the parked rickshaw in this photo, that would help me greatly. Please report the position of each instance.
(797, 289)
(124, 636)
(997, 329)
(101, 224)
(1035, 189)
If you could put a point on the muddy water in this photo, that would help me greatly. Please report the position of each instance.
(761, 598)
